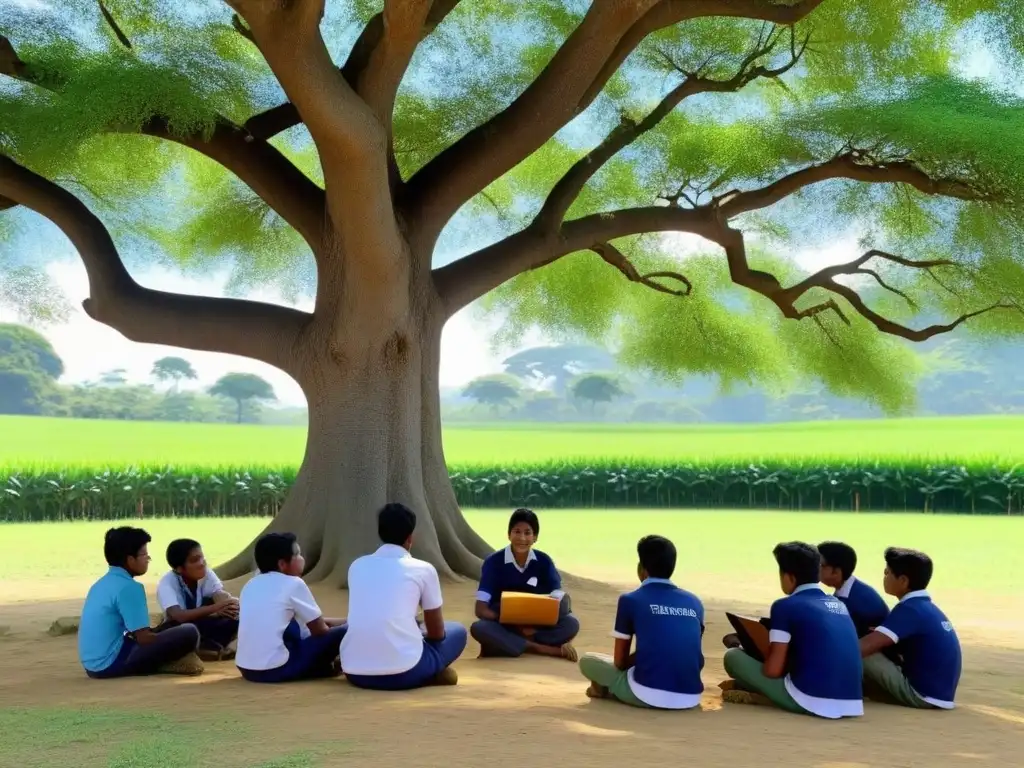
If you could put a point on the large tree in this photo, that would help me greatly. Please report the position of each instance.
(277, 141)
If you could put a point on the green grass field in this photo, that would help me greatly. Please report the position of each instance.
(27, 443)
(723, 555)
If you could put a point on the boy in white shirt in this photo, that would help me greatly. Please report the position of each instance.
(282, 634)
(385, 648)
(191, 593)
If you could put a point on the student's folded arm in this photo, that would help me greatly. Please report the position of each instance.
(131, 604)
(184, 616)
(486, 590)
(431, 601)
(778, 638)
(877, 640)
(623, 632)
(306, 609)
(775, 664)
(622, 657)
(483, 608)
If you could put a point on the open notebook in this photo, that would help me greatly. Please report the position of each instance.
(752, 633)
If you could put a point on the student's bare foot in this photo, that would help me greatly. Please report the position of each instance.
(596, 691)
(190, 665)
(447, 677)
(728, 685)
(570, 653)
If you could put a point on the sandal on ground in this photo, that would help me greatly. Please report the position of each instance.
(570, 653)
(190, 666)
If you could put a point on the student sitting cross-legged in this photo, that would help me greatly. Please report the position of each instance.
(668, 623)
(282, 633)
(385, 648)
(867, 608)
(191, 593)
(926, 645)
(521, 568)
(114, 636)
(813, 665)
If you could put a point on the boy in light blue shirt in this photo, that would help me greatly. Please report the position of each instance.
(114, 636)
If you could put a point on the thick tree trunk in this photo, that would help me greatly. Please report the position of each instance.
(374, 437)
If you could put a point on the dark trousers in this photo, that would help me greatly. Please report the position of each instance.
(500, 640)
(171, 644)
(215, 632)
(437, 656)
(309, 658)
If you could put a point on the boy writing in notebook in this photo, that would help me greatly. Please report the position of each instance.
(282, 633)
(191, 593)
(927, 673)
(668, 623)
(867, 608)
(520, 567)
(114, 636)
(813, 665)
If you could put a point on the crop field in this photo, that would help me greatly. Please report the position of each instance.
(36, 443)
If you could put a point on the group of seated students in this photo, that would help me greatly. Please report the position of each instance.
(826, 651)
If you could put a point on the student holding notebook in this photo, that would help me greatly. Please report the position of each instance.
(668, 623)
(813, 665)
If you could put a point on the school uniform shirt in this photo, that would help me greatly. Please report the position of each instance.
(267, 605)
(114, 605)
(929, 645)
(867, 608)
(667, 623)
(501, 573)
(173, 591)
(385, 592)
(825, 668)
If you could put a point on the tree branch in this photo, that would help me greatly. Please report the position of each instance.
(264, 332)
(114, 27)
(670, 12)
(491, 149)
(618, 259)
(284, 116)
(848, 165)
(568, 188)
(786, 298)
(288, 191)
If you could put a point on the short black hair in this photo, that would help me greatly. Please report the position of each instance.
(179, 550)
(271, 548)
(800, 560)
(657, 556)
(121, 543)
(395, 523)
(524, 515)
(839, 555)
(916, 566)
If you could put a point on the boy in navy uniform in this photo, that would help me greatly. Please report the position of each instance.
(668, 623)
(521, 568)
(867, 608)
(114, 635)
(924, 639)
(813, 665)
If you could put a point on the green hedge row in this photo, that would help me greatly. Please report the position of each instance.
(82, 494)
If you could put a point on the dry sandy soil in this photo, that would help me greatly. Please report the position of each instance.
(529, 711)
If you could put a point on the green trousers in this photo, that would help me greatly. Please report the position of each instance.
(749, 674)
(600, 668)
(885, 682)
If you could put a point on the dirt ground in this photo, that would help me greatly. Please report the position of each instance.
(529, 711)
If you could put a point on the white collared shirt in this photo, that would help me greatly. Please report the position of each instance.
(845, 587)
(386, 589)
(170, 591)
(268, 603)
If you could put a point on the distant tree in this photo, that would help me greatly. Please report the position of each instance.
(113, 378)
(174, 370)
(31, 348)
(597, 388)
(242, 388)
(495, 391)
(560, 363)
(542, 406)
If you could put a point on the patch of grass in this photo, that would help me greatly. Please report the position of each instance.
(118, 739)
(42, 443)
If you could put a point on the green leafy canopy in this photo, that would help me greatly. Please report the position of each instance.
(889, 77)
